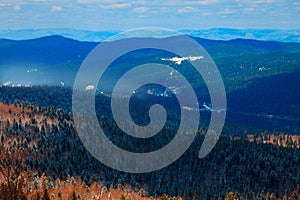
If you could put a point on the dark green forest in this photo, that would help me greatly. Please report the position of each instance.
(250, 169)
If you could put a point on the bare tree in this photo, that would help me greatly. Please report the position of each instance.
(12, 175)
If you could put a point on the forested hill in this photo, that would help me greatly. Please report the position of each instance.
(49, 50)
(260, 77)
(57, 49)
(55, 59)
(42, 149)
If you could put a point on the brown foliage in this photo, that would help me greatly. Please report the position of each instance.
(12, 176)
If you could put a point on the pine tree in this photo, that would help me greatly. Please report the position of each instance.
(46, 195)
(74, 196)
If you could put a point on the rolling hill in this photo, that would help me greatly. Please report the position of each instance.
(261, 77)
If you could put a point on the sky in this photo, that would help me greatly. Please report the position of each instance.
(101, 15)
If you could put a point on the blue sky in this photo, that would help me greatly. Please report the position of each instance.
(174, 14)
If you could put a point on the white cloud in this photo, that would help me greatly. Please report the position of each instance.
(141, 9)
(207, 13)
(56, 8)
(4, 4)
(41, 1)
(297, 4)
(17, 7)
(257, 1)
(88, 1)
(227, 11)
(99, 1)
(249, 9)
(265, 1)
(140, 2)
(186, 10)
(201, 2)
(117, 5)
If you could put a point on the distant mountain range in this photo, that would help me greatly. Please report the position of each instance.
(46, 60)
(261, 77)
(214, 34)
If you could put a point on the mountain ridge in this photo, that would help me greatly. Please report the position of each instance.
(55, 60)
(213, 33)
